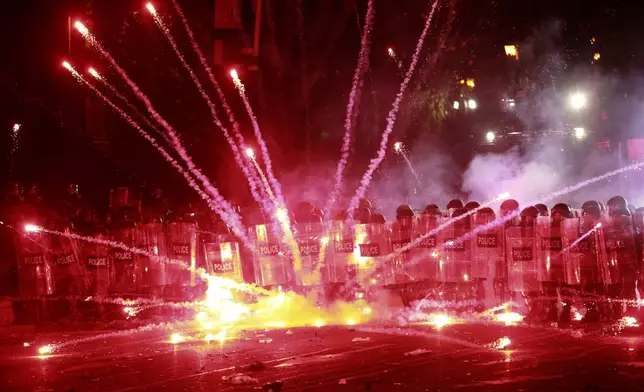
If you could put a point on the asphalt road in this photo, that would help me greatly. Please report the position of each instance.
(419, 358)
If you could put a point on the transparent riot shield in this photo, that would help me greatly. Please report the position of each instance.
(425, 255)
(69, 273)
(309, 238)
(99, 266)
(223, 259)
(35, 275)
(487, 251)
(520, 255)
(372, 242)
(455, 259)
(621, 264)
(340, 263)
(402, 266)
(125, 273)
(549, 247)
(181, 269)
(273, 266)
(582, 254)
(151, 271)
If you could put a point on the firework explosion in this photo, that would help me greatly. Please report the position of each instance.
(230, 305)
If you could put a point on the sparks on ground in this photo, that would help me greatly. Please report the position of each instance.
(46, 349)
(509, 318)
(176, 338)
(440, 320)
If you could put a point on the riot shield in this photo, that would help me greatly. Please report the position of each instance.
(222, 258)
(35, 276)
(425, 262)
(582, 255)
(151, 272)
(340, 264)
(181, 269)
(372, 242)
(487, 251)
(273, 266)
(520, 255)
(549, 247)
(69, 273)
(125, 273)
(99, 266)
(621, 264)
(455, 259)
(309, 240)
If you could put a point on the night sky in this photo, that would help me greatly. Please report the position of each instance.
(56, 148)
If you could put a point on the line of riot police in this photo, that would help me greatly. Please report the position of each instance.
(544, 259)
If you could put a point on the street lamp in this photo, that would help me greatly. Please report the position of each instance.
(578, 100)
(580, 133)
(471, 104)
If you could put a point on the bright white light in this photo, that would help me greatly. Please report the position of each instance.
(440, 320)
(47, 349)
(580, 133)
(471, 104)
(598, 225)
(93, 72)
(509, 318)
(397, 146)
(81, 28)
(30, 228)
(391, 52)
(233, 74)
(176, 338)
(456, 105)
(67, 65)
(281, 214)
(578, 101)
(502, 343)
(250, 153)
(503, 196)
(324, 240)
(16, 127)
(150, 8)
(490, 136)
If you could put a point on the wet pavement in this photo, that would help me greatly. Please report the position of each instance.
(485, 357)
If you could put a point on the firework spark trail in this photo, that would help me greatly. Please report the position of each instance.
(578, 240)
(103, 80)
(237, 228)
(211, 106)
(258, 135)
(501, 220)
(231, 214)
(400, 149)
(267, 186)
(444, 225)
(354, 98)
(392, 54)
(391, 118)
(144, 328)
